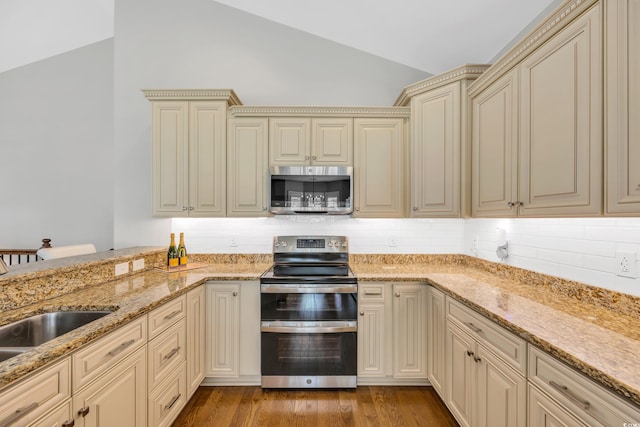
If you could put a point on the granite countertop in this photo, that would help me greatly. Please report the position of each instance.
(131, 297)
(586, 327)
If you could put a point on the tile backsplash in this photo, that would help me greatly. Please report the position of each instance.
(581, 249)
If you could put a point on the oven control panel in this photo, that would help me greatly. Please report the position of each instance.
(310, 244)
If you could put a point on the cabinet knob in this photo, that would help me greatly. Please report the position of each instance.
(191, 208)
(398, 294)
(415, 208)
(184, 208)
(362, 313)
(306, 157)
(314, 158)
(235, 294)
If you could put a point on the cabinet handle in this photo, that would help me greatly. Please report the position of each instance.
(172, 315)
(19, 413)
(191, 208)
(121, 347)
(473, 327)
(184, 208)
(69, 423)
(83, 411)
(469, 353)
(172, 353)
(477, 359)
(235, 294)
(564, 390)
(376, 292)
(173, 401)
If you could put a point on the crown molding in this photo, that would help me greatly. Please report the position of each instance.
(463, 72)
(192, 94)
(244, 111)
(556, 21)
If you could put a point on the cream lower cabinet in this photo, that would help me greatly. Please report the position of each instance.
(436, 340)
(247, 166)
(379, 167)
(486, 384)
(196, 336)
(233, 333)
(622, 106)
(391, 333)
(537, 132)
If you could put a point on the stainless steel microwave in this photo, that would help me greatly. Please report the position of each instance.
(311, 189)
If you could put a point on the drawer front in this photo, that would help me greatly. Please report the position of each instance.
(41, 392)
(168, 400)
(166, 352)
(502, 342)
(544, 411)
(371, 291)
(589, 401)
(90, 362)
(57, 417)
(163, 317)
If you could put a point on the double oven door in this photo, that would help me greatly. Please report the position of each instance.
(308, 334)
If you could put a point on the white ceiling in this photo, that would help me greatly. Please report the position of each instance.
(430, 35)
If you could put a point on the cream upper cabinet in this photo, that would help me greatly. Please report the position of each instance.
(247, 161)
(537, 129)
(561, 123)
(435, 152)
(622, 131)
(379, 167)
(305, 141)
(189, 146)
(495, 148)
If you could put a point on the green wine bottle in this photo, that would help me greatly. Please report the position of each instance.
(182, 251)
(172, 254)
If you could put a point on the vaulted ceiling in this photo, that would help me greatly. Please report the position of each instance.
(430, 35)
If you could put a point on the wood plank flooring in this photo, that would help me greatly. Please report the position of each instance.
(363, 406)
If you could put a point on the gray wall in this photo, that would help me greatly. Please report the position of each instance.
(56, 167)
(203, 44)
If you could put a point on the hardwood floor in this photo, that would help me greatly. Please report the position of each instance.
(364, 406)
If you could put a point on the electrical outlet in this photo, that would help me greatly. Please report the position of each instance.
(474, 246)
(122, 268)
(138, 264)
(626, 264)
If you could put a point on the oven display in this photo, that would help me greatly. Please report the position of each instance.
(311, 244)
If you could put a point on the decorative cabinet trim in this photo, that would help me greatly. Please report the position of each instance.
(554, 23)
(242, 111)
(464, 72)
(192, 94)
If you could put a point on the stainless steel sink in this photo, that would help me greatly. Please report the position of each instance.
(8, 353)
(38, 329)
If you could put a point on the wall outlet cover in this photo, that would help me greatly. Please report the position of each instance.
(138, 264)
(626, 265)
(122, 268)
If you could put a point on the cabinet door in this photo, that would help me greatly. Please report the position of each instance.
(435, 152)
(494, 149)
(436, 341)
(561, 123)
(223, 321)
(544, 412)
(248, 167)
(332, 142)
(118, 398)
(371, 340)
(409, 331)
(196, 310)
(170, 147)
(249, 359)
(207, 158)
(459, 374)
(289, 141)
(623, 107)
(501, 393)
(379, 180)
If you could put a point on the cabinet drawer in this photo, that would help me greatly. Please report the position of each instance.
(168, 400)
(502, 342)
(589, 401)
(93, 360)
(162, 317)
(371, 291)
(36, 395)
(166, 352)
(57, 417)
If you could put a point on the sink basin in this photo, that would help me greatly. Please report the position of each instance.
(38, 329)
(8, 353)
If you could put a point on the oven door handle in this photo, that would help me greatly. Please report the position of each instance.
(333, 328)
(307, 289)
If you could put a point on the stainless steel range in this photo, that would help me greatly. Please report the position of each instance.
(309, 314)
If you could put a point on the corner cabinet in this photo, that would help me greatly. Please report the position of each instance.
(439, 153)
(233, 333)
(622, 107)
(537, 129)
(379, 167)
(189, 151)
